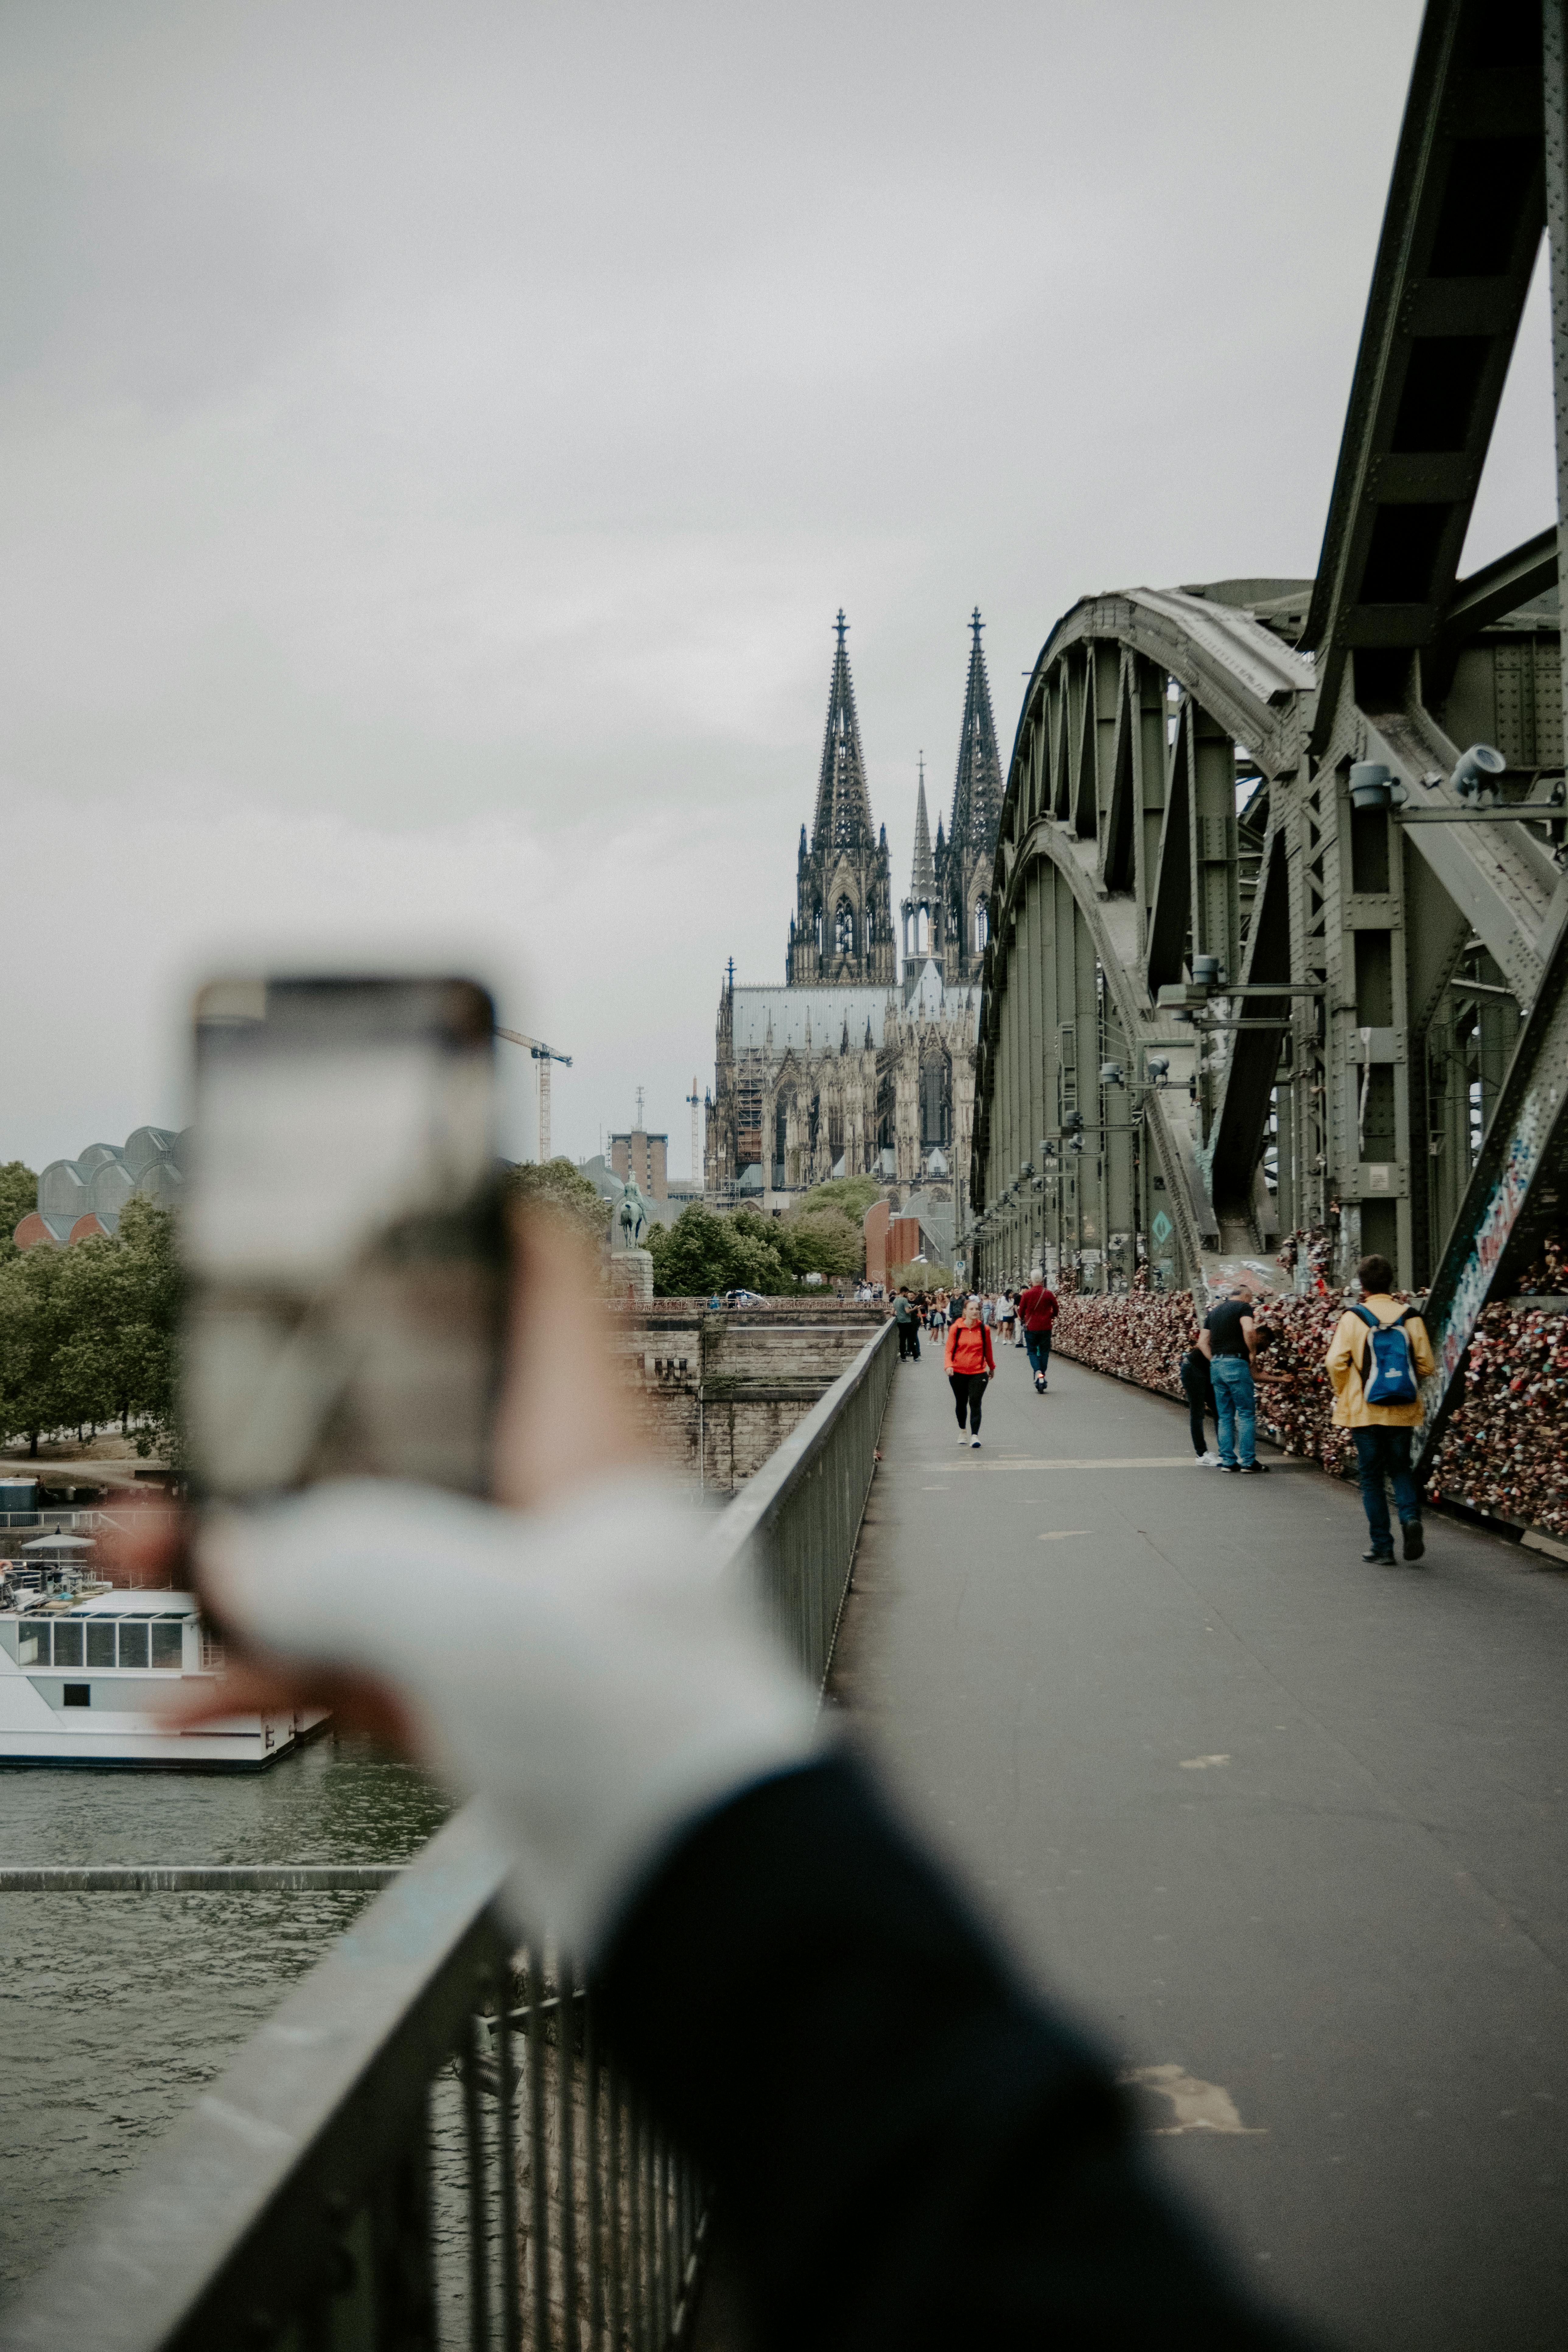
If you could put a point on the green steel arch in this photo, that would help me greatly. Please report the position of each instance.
(1388, 1051)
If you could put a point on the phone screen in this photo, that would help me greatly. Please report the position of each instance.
(343, 1235)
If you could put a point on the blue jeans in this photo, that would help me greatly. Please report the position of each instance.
(1235, 1410)
(1039, 1344)
(1385, 1453)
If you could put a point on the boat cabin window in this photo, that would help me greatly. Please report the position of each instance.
(168, 1643)
(67, 1644)
(33, 1641)
(133, 1643)
(77, 1694)
(101, 1641)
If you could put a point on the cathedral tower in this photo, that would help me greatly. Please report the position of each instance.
(921, 911)
(965, 859)
(842, 934)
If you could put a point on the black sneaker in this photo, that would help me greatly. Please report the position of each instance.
(1415, 1540)
(1378, 1558)
(1233, 1468)
(1254, 1469)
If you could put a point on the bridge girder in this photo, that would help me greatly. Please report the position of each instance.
(1418, 1085)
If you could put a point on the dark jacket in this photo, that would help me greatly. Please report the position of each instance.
(909, 2151)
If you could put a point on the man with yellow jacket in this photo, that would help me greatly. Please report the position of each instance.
(1377, 1357)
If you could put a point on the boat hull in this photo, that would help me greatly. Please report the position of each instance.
(251, 1745)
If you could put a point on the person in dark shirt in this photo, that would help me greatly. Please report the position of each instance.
(1226, 1340)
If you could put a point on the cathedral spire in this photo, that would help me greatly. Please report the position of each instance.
(922, 880)
(842, 801)
(841, 936)
(965, 859)
(977, 787)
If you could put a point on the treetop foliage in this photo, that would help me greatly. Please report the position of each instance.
(18, 1198)
(88, 1335)
(704, 1251)
(851, 1195)
(559, 1185)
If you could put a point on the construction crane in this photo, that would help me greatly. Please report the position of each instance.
(695, 1099)
(544, 1055)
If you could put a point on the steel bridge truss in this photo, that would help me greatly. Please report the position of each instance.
(1365, 1023)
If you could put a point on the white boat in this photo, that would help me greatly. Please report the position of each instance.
(83, 1678)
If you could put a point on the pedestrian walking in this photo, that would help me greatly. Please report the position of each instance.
(1007, 1314)
(1197, 1387)
(1377, 1357)
(1225, 1340)
(909, 1328)
(1037, 1318)
(970, 1364)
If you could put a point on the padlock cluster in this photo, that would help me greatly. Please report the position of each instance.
(1506, 1447)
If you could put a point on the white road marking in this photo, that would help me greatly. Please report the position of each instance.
(1200, 1763)
(1097, 1462)
(1198, 2106)
(1056, 1535)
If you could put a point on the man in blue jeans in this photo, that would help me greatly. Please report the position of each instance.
(1380, 1431)
(1226, 1340)
(1036, 1314)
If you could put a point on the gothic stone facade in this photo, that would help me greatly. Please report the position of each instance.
(847, 1069)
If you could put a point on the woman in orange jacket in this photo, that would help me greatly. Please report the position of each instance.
(970, 1364)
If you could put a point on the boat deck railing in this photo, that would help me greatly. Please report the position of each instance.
(429, 2144)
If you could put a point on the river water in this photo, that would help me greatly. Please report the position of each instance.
(116, 2010)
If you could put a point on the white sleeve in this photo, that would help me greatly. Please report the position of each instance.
(587, 1671)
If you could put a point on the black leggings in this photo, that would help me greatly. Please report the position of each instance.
(968, 1390)
(1198, 1389)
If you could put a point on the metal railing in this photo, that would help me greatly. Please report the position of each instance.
(429, 2144)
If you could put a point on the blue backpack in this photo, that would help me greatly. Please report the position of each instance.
(1392, 1379)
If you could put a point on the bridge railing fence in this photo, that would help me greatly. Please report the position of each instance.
(429, 2145)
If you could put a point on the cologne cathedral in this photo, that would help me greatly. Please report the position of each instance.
(863, 1062)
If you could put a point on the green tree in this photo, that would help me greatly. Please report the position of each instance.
(18, 1198)
(149, 1293)
(90, 1333)
(824, 1242)
(703, 1252)
(852, 1194)
(559, 1185)
(35, 1325)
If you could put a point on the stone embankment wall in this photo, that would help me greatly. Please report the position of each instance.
(722, 1388)
(1507, 1445)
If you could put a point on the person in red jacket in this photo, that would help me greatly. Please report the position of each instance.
(1038, 1312)
(970, 1364)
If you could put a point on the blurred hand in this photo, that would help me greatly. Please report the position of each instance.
(565, 1419)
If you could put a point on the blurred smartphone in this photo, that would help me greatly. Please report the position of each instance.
(343, 1235)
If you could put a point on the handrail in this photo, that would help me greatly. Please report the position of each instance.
(355, 2175)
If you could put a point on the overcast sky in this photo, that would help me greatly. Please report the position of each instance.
(436, 440)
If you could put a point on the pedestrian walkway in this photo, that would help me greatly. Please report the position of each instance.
(1288, 1829)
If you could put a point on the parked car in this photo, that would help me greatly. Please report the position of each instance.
(744, 1298)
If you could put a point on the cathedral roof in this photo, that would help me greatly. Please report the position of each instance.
(843, 819)
(977, 787)
(776, 1019)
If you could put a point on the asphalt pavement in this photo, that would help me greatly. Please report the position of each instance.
(1289, 1832)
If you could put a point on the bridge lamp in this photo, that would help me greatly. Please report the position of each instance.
(1207, 972)
(1472, 777)
(1372, 787)
(1111, 1075)
(1072, 1122)
(1156, 1068)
